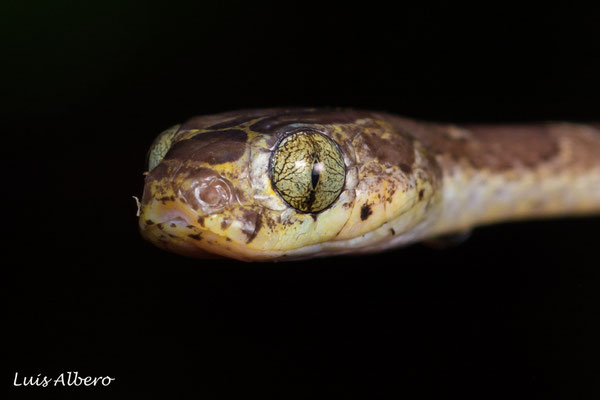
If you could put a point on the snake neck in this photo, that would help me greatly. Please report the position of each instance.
(513, 172)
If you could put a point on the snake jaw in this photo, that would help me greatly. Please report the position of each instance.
(212, 192)
(235, 184)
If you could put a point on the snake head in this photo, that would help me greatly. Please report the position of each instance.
(282, 184)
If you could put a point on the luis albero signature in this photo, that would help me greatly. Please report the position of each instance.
(70, 378)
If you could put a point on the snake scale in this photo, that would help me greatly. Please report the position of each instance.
(288, 184)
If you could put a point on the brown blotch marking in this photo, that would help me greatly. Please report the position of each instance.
(201, 221)
(195, 236)
(490, 147)
(392, 231)
(405, 168)
(160, 226)
(215, 147)
(506, 146)
(396, 150)
(365, 211)
(251, 224)
(421, 193)
(165, 199)
(190, 226)
(159, 172)
(584, 143)
(228, 239)
(225, 223)
(391, 195)
(256, 229)
(272, 223)
(173, 225)
(314, 217)
(149, 222)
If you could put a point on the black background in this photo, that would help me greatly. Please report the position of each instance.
(87, 86)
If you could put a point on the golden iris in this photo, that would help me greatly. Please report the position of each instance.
(308, 171)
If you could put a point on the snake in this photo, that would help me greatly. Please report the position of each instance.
(295, 183)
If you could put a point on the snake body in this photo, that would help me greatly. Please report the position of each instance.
(284, 184)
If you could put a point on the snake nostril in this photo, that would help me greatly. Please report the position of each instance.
(208, 193)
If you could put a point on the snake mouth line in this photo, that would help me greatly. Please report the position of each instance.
(179, 230)
(168, 214)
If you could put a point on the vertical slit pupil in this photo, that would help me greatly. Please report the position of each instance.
(315, 174)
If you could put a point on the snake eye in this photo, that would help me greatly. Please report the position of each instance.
(308, 171)
(160, 146)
